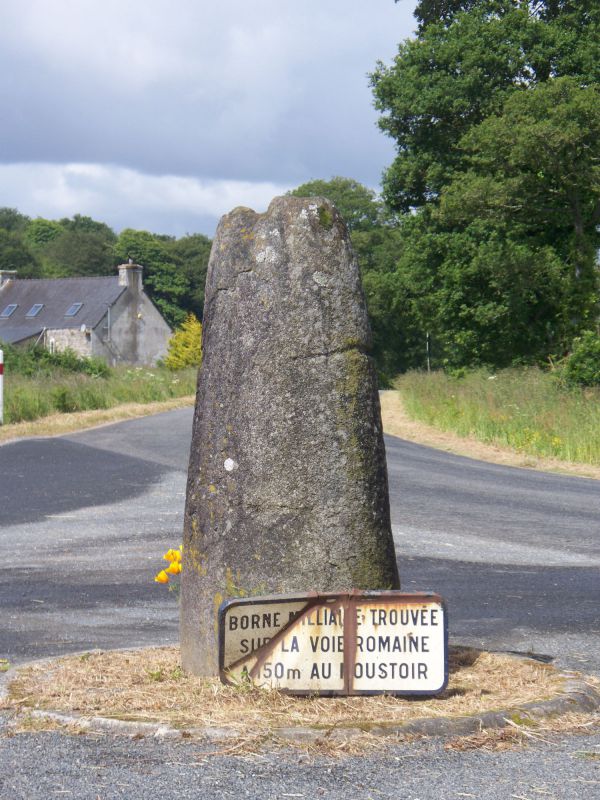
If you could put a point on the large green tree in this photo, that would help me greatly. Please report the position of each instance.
(357, 204)
(533, 176)
(74, 247)
(494, 110)
(16, 255)
(80, 253)
(190, 254)
(15, 252)
(165, 282)
(460, 70)
(12, 220)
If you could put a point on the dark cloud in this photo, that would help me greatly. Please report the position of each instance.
(261, 92)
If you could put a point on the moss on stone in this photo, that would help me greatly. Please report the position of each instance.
(349, 389)
(367, 573)
(523, 721)
(325, 217)
(234, 588)
(217, 600)
(232, 584)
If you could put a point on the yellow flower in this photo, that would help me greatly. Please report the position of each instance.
(172, 555)
(174, 568)
(162, 577)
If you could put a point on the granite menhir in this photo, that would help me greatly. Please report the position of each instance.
(287, 487)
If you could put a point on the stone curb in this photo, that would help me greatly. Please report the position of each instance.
(575, 696)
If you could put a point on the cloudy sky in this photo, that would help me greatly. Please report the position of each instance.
(165, 114)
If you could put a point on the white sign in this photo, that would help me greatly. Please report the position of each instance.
(353, 643)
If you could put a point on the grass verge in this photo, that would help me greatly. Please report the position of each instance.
(525, 411)
(65, 402)
(27, 398)
(59, 424)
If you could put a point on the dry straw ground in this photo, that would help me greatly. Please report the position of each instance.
(148, 685)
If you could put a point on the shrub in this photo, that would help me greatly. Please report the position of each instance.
(582, 366)
(185, 346)
(37, 360)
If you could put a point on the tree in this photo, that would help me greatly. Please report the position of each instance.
(356, 203)
(494, 110)
(15, 255)
(166, 283)
(40, 231)
(13, 220)
(485, 299)
(83, 224)
(533, 175)
(72, 247)
(190, 254)
(460, 70)
(79, 252)
(185, 346)
(504, 268)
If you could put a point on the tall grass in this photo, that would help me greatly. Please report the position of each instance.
(28, 397)
(525, 409)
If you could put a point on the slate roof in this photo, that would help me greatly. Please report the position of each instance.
(57, 295)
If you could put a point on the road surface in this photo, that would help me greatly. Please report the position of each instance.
(85, 518)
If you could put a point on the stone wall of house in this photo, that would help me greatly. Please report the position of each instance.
(71, 338)
(139, 334)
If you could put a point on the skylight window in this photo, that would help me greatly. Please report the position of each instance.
(34, 310)
(73, 310)
(9, 310)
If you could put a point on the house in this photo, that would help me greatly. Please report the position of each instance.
(110, 317)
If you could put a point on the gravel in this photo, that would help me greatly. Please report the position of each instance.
(41, 766)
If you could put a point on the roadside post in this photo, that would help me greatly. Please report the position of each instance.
(1, 387)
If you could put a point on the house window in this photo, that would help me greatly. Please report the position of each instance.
(72, 310)
(34, 310)
(9, 310)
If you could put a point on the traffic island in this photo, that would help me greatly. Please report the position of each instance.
(145, 693)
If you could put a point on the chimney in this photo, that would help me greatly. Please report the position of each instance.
(7, 275)
(130, 275)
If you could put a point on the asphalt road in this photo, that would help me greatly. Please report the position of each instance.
(84, 520)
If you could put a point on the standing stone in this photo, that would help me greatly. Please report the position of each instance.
(287, 486)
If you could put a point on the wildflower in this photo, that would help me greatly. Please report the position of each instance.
(172, 555)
